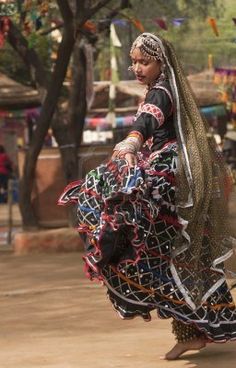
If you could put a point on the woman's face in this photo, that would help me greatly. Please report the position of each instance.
(146, 70)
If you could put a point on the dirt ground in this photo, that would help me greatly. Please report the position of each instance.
(52, 316)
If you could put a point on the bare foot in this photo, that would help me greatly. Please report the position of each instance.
(182, 347)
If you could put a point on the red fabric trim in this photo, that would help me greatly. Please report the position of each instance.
(154, 111)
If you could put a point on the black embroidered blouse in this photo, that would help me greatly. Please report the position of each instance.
(154, 118)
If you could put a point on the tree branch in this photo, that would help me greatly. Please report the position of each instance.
(96, 8)
(65, 10)
(29, 56)
(43, 123)
(49, 30)
(79, 7)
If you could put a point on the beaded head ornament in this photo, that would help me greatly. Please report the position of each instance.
(149, 46)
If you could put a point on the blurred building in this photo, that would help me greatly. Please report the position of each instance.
(19, 107)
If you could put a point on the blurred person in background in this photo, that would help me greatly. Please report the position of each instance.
(5, 173)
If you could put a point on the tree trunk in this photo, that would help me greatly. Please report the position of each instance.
(78, 103)
(67, 144)
(26, 184)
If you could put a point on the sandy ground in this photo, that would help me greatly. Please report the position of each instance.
(53, 317)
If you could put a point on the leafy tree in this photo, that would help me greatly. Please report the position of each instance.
(74, 15)
(73, 20)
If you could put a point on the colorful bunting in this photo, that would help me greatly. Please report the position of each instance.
(178, 21)
(120, 22)
(114, 38)
(213, 25)
(137, 23)
(161, 23)
(90, 26)
(126, 121)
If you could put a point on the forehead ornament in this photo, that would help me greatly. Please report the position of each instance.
(149, 46)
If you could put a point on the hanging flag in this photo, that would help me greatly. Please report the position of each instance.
(120, 22)
(114, 44)
(234, 20)
(161, 23)
(90, 26)
(178, 21)
(137, 23)
(213, 25)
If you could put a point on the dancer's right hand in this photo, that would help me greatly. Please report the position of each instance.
(131, 158)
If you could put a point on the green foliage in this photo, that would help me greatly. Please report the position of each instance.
(12, 65)
(32, 18)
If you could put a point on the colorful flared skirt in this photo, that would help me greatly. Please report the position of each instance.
(128, 220)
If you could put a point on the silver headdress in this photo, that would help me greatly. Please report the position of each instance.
(149, 46)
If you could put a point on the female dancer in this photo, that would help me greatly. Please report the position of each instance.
(154, 218)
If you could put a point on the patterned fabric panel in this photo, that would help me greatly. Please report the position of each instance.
(130, 222)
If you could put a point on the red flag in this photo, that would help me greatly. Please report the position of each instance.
(90, 26)
(136, 22)
(161, 23)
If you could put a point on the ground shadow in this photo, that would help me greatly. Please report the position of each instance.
(214, 355)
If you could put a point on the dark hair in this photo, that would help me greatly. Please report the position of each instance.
(2, 149)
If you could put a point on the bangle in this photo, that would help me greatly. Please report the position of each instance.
(131, 144)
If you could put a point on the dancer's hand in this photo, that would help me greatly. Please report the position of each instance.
(131, 158)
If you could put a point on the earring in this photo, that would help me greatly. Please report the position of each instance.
(130, 68)
(163, 74)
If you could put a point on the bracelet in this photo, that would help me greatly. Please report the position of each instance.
(131, 144)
